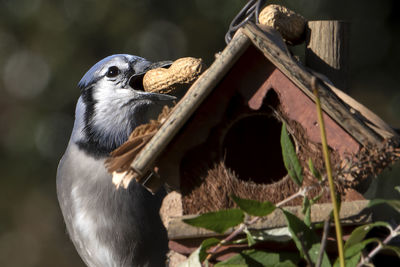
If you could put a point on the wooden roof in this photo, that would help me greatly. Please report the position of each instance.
(362, 124)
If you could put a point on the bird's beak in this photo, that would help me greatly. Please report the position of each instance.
(136, 81)
(161, 64)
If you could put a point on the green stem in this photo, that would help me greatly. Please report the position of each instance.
(329, 174)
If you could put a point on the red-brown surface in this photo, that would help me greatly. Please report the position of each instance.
(300, 108)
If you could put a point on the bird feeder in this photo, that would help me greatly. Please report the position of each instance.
(223, 137)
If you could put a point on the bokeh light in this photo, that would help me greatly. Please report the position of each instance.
(25, 74)
(162, 40)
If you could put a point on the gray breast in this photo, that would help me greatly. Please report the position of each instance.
(108, 227)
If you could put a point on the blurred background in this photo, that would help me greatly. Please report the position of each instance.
(46, 47)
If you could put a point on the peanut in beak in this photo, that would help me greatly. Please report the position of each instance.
(183, 71)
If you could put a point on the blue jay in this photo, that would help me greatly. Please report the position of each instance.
(109, 226)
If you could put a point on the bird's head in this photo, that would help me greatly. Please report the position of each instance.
(113, 102)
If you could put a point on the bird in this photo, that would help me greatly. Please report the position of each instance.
(109, 226)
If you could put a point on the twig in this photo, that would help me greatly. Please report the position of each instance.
(301, 193)
(231, 236)
(323, 242)
(240, 229)
(303, 247)
(328, 167)
(380, 246)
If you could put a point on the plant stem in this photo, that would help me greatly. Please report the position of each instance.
(303, 247)
(239, 230)
(329, 173)
(323, 242)
(232, 235)
(379, 247)
(301, 193)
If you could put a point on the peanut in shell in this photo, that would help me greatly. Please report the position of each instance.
(183, 71)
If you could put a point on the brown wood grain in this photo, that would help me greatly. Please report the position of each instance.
(188, 105)
(328, 50)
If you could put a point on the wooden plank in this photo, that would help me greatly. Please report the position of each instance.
(331, 104)
(351, 213)
(187, 106)
(328, 50)
(371, 119)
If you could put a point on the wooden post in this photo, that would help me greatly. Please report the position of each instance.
(327, 50)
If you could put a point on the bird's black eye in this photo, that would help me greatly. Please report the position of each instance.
(112, 72)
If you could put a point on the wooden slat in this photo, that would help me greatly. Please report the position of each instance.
(372, 120)
(327, 50)
(331, 104)
(350, 213)
(193, 98)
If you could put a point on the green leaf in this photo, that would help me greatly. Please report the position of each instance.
(313, 170)
(316, 198)
(290, 159)
(306, 210)
(302, 234)
(218, 221)
(299, 229)
(306, 207)
(250, 238)
(281, 235)
(314, 254)
(205, 245)
(394, 203)
(358, 247)
(260, 258)
(318, 225)
(254, 207)
(277, 234)
(361, 232)
(353, 261)
(352, 254)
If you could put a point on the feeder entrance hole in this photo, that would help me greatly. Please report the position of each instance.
(252, 149)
